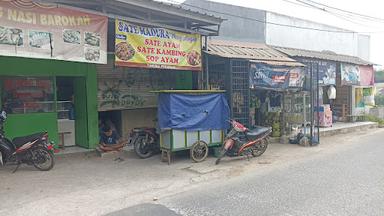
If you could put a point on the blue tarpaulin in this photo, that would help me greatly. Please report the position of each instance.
(194, 112)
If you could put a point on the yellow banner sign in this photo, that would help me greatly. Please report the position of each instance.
(139, 46)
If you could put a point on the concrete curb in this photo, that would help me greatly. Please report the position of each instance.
(85, 153)
(349, 129)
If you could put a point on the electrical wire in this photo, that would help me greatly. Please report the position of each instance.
(271, 23)
(260, 21)
(349, 12)
(343, 16)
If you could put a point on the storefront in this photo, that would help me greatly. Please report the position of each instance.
(48, 57)
(56, 74)
(256, 78)
(345, 82)
(360, 79)
(146, 58)
(31, 95)
(276, 89)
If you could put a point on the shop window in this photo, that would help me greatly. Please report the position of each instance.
(364, 97)
(28, 95)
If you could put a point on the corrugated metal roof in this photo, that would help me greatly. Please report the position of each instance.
(252, 51)
(180, 7)
(324, 55)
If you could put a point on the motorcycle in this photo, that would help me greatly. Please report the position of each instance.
(242, 141)
(145, 141)
(33, 149)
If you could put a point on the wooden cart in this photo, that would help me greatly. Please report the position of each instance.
(197, 142)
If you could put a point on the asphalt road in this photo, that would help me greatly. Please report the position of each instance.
(348, 181)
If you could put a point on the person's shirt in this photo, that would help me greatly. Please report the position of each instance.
(109, 140)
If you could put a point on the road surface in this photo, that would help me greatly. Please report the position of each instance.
(346, 181)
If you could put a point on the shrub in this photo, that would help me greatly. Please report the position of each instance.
(379, 100)
(373, 118)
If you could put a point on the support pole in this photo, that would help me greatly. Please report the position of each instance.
(312, 102)
(206, 63)
(304, 114)
(317, 102)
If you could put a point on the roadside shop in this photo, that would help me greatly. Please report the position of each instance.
(48, 55)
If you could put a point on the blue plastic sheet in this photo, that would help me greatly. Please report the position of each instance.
(197, 112)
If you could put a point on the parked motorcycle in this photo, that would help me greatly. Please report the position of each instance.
(145, 141)
(242, 141)
(33, 149)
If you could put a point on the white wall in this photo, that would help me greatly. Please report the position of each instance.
(234, 28)
(364, 44)
(341, 43)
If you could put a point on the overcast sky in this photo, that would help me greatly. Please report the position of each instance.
(374, 8)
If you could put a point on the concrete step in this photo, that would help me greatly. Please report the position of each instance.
(336, 129)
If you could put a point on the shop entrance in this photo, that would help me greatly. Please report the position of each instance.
(71, 111)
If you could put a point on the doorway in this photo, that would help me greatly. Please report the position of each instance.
(66, 120)
(72, 111)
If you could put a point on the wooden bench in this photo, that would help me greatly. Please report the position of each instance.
(61, 135)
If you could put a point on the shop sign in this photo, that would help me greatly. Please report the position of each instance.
(350, 74)
(327, 73)
(296, 77)
(36, 30)
(367, 75)
(279, 77)
(150, 47)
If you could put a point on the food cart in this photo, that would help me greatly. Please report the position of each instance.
(191, 120)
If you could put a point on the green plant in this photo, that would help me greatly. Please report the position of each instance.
(276, 132)
(379, 100)
(373, 118)
(273, 119)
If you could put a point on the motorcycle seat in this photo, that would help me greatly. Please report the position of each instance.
(256, 132)
(19, 141)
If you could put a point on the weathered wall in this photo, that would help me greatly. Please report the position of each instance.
(342, 43)
(137, 118)
(253, 28)
(234, 28)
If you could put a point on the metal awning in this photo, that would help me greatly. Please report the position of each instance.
(279, 63)
(149, 12)
(254, 52)
(323, 55)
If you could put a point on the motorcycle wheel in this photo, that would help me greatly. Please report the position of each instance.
(42, 159)
(142, 148)
(222, 153)
(199, 151)
(259, 149)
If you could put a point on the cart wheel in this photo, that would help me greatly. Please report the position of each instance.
(199, 151)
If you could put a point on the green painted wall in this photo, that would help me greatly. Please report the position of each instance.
(13, 66)
(25, 124)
